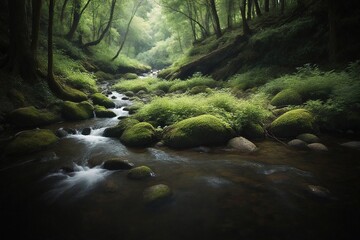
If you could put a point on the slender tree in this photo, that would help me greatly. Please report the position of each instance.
(332, 45)
(76, 17)
(36, 13)
(267, 5)
(246, 28)
(136, 7)
(249, 9)
(257, 8)
(97, 41)
(216, 20)
(63, 10)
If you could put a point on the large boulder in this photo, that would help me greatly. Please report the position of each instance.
(309, 138)
(352, 144)
(102, 112)
(254, 131)
(31, 117)
(140, 135)
(198, 131)
(286, 97)
(102, 100)
(119, 129)
(30, 141)
(293, 123)
(77, 111)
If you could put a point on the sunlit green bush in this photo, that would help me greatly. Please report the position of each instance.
(238, 113)
(196, 80)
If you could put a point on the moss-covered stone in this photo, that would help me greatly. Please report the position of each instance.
(141, 172)
(30, 117)
(157, 194)
(198, 131)
(117, 164)
(286, 97)
(118, 130)
(308, 138)
(254, 131)
(102, 100)
(31, 141)
(140, 135)
(293, 123)
(77, 111)
(102, 112)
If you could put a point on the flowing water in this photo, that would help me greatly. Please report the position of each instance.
(275, 193)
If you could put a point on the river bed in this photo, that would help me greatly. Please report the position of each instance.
(274, 193)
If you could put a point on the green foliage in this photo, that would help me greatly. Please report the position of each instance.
(71, 71)
(198, 131)
(196, 80)
(253, 78)
(238, 113)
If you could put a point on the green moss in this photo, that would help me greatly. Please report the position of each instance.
(286, 97)
(118, 130)
(293, 123)
(28, 117)
(140, 135)
(157, 193)
(102, 100)
(100, 75)
(102, 112)
(30, 141)
(198, 89)
(254, 131)
(198, 131)
(140, 173)
(77, 111)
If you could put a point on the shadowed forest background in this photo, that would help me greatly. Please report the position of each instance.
(216, 119)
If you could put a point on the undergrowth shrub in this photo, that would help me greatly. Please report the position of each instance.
(238, 113)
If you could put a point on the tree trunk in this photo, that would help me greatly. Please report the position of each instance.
(246, 28)
(63, 10)
(332, 45)
(50, 43)
(257, 8)
(267, 5)
(36, 13)
(21, 58)
(230, 7)
(136, 7)
(282, 6)
(249, 9)
(76, 18)
(215, 15)
(106, 28)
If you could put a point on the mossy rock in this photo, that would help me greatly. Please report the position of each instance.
(141, 172)
(30, 117)
(102, 100)
(102, 112)
(31, 141)
(254, 131)
(198, 131)
(77, 111)
(140, 135)
(157, 194)
(130, 76)
(309, 138)
(286, 97)
(117, 164)
(118, 130)
(293, 123)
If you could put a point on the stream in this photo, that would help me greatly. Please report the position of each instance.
(275, 193)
